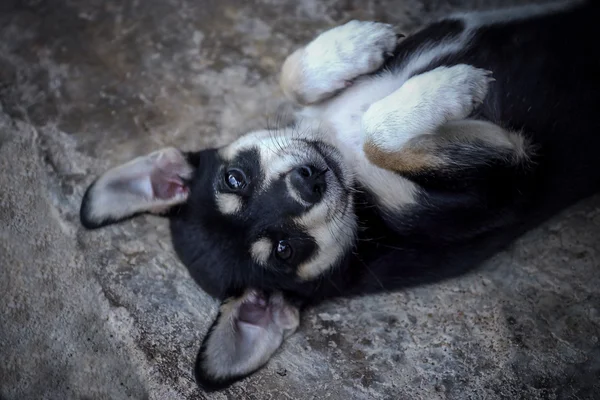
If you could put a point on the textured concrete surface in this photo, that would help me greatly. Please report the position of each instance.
(112, 314)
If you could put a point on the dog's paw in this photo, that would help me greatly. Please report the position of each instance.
(335, 58)
(456, 90)
(424, 103)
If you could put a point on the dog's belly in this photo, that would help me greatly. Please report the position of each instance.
(341, 118)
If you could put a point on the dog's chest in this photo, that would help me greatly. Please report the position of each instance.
(341, 119)
(341, 116)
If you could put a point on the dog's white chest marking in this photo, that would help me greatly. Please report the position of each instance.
(343, 114)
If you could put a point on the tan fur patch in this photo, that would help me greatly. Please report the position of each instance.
(261, 250)
(425, 151)
(407, 159)
(228, 203)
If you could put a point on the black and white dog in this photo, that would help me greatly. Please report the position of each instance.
(412, 160)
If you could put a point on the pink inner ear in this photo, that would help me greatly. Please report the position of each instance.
(255, 311)
(166, 185)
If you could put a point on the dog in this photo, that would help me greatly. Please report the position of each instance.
(411, 160)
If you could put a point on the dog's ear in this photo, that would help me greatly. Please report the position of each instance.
(246, 333)
(153, 183)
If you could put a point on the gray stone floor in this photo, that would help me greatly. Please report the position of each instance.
(112, 313)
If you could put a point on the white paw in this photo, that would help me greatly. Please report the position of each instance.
(456, 90)
(335, 58)
(424, 103)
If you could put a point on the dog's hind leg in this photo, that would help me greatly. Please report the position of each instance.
(335, 58)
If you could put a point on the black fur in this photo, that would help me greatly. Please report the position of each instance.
(84, 212)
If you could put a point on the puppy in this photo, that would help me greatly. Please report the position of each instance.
(412, 160)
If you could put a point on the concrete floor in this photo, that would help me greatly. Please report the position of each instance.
(112, 313)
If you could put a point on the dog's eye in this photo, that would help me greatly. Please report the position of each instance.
(284, 250)
(235, 179)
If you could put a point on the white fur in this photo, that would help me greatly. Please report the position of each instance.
(345, 52)
(334, 58)
(424, 103)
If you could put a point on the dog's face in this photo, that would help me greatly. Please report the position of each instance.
(271, 211)
(257, 223)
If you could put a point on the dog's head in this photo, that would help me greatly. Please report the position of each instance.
(258, 223)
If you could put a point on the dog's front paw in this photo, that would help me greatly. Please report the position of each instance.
(424, 103)
(456, 90)
(335, 58)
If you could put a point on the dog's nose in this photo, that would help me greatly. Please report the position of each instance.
(309, 183)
